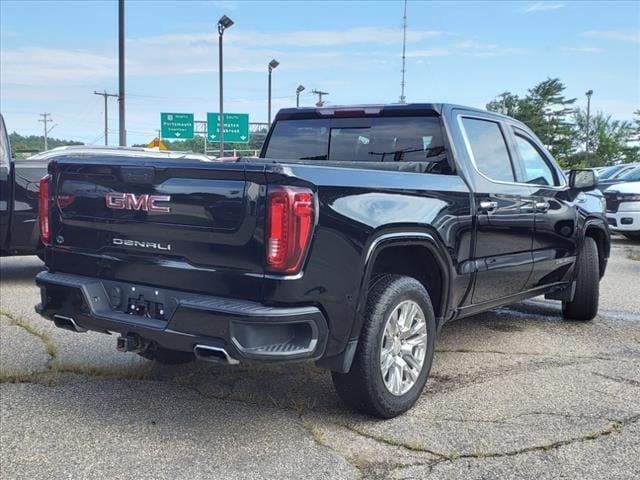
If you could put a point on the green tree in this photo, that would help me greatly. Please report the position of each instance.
(25, 145)
(546, 111)
(609, 140)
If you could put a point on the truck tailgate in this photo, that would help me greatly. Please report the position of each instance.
(176, 224)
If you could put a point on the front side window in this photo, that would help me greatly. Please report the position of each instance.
(378, 139)
(489, 149)
(536, 170)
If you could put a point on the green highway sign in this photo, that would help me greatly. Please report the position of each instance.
(176, 125)
(236, 127)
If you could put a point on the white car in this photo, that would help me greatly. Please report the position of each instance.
(623, 208)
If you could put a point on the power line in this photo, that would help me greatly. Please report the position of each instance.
(404, 51)
(106, 114)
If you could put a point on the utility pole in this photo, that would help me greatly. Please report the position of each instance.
(106, 114)
(46, 119)
(404, 51)
(123, 132)
(320, 94)
(588, 93)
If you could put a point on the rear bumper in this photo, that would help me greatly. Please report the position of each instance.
(245, 329)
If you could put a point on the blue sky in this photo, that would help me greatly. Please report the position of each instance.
(53, 55)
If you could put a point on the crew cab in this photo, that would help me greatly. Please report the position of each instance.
(353, 238)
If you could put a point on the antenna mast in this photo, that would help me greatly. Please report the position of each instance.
(404, 50)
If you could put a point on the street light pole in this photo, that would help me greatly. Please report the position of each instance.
(224, 23)
(298, 90)
(272, 64)
(588, 93)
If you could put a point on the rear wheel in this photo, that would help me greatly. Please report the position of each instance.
(395, 350)
(585, 301)
(166, 356)
(633, 236)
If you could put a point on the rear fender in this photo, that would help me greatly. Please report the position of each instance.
(376, 244)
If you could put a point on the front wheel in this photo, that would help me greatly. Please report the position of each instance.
(585, 301)
(395, 350)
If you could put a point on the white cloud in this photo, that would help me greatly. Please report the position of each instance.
(542, 7)
(433, 52)
(37, 65)
(473, 48)
(619, 35)
(571, 50)
(306, 38)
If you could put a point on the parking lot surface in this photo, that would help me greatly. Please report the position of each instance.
(514, 393)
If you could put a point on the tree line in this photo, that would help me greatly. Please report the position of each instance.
(562, 126)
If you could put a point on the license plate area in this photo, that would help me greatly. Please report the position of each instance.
(142, 307)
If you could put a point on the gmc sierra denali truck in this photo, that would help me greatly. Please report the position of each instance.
(351, 240)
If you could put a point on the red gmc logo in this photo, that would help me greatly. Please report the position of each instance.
(130, 201)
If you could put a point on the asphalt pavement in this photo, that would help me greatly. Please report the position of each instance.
(514, 393)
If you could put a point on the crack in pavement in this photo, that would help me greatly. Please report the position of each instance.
(451, 456)
(534, 354)
(627, 381)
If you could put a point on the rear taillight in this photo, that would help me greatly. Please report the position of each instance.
(44, 209)
(290, 220)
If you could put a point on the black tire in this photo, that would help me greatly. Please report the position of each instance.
(166, 356)
(635, 236)
(363, 387)
(584, 306)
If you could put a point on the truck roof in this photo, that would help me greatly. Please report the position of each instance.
(373, 109)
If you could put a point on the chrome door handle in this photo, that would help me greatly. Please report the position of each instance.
(542, 206)
(488, 206)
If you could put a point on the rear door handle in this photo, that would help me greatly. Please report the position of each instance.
(487, 206)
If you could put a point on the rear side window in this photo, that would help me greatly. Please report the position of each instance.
(489, 149)
(379, 139)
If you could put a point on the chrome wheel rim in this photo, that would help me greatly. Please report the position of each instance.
(403, 347)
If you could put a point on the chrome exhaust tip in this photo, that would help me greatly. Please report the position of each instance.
(67, 323)
(213, 354)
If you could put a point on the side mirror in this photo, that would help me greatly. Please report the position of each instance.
(583, 180)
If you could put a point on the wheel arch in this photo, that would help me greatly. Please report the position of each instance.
(597, 229)
(393, 240)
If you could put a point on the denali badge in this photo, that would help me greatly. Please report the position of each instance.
(136, 243)
(130, 201)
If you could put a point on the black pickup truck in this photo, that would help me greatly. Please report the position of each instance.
(351, 240)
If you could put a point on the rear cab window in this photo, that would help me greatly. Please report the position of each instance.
(361, 139)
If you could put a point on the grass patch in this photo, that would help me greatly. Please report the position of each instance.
(316, 433)
(632, 254)
(49, 344)
(116, 372)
